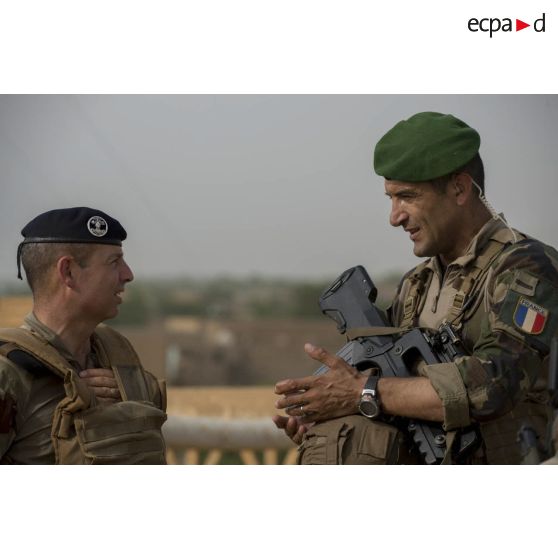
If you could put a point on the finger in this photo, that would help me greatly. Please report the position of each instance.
(280, 421)
(297, 438)
(321, 355)
(308, 418)
(101, 382)
(96, 372)
(291, 402)
(295, 430)
(305, 398)
(113, 393)
(292, 426)
(294, 385)
(302, 413)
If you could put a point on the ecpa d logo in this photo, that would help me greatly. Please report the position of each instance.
(493, 25)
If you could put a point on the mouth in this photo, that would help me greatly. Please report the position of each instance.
(119, 294)
(413, 233)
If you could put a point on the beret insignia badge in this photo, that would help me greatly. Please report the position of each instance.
(530, 317)
(97, 226)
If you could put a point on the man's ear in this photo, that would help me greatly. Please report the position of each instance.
(463, 188)
(65, 270)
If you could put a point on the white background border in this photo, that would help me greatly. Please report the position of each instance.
(304, 46)
(271, 46)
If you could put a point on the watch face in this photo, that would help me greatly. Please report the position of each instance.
(369, 406)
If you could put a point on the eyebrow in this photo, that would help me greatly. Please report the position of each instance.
(402, 190)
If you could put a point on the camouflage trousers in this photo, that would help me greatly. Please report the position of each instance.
(354, 440)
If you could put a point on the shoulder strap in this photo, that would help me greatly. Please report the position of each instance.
(25, 348)
(469, 285)
(117, 353)
(419, 281)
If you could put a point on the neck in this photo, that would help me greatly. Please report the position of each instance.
(70, 327)
(469, 228)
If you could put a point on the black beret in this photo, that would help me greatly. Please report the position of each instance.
(426, 146)
(74, 224)
(81, 225)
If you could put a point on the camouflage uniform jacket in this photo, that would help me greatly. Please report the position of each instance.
(28, 401)
(503, 296)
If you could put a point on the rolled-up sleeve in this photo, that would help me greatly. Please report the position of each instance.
(448, 383)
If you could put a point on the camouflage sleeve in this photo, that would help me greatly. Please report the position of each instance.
(520, 318)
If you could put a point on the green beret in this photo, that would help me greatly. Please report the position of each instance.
(426, 146)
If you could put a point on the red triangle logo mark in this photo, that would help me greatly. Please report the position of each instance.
(519, 25)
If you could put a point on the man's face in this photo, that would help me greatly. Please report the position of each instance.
(430, 216)
(100, 284)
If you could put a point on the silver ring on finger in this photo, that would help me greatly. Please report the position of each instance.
(302, 413)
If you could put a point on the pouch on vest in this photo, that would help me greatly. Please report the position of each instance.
(123, 433)
(350, 440)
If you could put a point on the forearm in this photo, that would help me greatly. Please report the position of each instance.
(410, 397)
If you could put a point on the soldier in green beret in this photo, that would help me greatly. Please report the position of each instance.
(496, 286)
(72, 390)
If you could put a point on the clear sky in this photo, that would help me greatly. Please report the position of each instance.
(275, 185)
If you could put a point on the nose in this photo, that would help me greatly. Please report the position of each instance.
(398, 215)
(126, 274)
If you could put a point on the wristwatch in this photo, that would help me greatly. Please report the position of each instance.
(369, 405)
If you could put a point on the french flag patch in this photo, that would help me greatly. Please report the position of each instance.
(530, 317)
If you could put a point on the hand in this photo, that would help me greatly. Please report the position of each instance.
(314, 398)
(102, 383)
(292, 426)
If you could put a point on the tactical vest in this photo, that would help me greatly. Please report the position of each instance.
(468, 287)
(83, 431)
(499, 436)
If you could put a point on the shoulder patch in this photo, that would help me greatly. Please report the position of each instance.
(530, 317)
(534, 319)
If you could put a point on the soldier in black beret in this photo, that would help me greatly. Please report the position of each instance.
(73, 390)
(497, 288)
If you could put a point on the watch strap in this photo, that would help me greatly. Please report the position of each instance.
(372, 384)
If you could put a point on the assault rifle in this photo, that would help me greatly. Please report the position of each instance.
(350, 303)
(533, 451)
